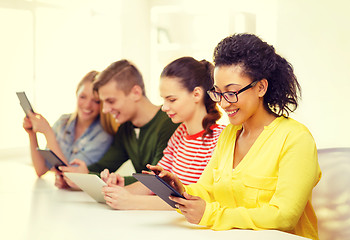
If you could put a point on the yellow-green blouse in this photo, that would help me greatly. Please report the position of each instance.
(269, 189)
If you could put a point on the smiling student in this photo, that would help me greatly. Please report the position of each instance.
(144, 129)
(183, 86)
(265, 164)
(77, 135)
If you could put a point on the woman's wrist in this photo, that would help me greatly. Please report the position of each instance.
(32, 136)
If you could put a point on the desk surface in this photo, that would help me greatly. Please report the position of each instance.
(33, 208)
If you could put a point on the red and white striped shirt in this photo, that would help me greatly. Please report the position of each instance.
(188, 155)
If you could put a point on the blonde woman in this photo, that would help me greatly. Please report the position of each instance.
(77, 135)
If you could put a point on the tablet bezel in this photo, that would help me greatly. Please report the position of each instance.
(158, 186)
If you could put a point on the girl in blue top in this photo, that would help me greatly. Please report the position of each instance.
(77, 135)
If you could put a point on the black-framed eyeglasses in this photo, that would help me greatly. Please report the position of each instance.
(230, 96)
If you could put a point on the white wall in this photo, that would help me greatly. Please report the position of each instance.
(135, 35)
(313, 35)
(45, 50)
(194, 27)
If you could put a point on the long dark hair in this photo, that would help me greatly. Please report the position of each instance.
(260, 61)
(191, 74)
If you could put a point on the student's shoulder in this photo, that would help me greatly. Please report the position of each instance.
(294, 131)
(61, 123)
(294, 135)
(291, 125)
(180, 131)
(63, 119)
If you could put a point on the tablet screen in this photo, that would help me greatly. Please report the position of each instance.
(24, 102)
(51, 157)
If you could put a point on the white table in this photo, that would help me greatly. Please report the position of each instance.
(33, 208)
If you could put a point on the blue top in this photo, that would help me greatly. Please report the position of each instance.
(89, 147)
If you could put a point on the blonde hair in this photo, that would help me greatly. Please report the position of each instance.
(89, 77)
(108, 122)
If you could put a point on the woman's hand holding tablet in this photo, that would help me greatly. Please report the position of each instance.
(158, 186)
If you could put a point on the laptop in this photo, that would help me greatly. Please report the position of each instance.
(89, 183)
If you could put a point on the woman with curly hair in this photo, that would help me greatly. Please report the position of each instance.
(265, 165)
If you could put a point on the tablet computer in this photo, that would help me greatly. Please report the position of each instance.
(158, 186)
(89, 183)
(24, 102)
(51, 157)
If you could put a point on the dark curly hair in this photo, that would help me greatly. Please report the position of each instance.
(191, 74)
(260, 61)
